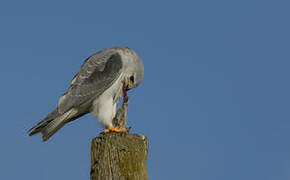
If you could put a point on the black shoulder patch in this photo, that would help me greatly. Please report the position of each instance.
(114, 63)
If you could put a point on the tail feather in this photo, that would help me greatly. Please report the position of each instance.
(39, 126)
(55, 125)
(51, 124)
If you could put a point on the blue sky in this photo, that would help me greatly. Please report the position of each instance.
(214, 102)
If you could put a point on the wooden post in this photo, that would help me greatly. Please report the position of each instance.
(119, 156)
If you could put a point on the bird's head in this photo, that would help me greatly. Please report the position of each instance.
(135, 73)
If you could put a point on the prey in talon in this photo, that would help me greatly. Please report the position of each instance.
(121, 123)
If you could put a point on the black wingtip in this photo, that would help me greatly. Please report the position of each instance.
(32, 133)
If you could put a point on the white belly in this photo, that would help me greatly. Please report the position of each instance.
(104, 107)
(104, 110)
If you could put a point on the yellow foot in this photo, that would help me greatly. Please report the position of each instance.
(110, 128)
(113, 129)
(119, 129)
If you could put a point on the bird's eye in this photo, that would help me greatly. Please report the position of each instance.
(132, 79)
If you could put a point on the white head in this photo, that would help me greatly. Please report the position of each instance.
(134, 69)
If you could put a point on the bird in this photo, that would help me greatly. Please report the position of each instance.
(96, 89)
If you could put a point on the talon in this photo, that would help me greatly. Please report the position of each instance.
(120, 129)
(109, 128)
(113, 129)
(106, 131)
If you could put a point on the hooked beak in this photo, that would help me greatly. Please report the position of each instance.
(128, 85)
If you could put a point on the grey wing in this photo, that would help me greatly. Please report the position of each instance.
(97, 74)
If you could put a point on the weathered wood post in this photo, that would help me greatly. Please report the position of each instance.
(119, 156)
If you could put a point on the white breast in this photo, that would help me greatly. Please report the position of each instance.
(104, 106)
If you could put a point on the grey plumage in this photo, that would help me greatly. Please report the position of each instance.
(99, 81)
(92, 80)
